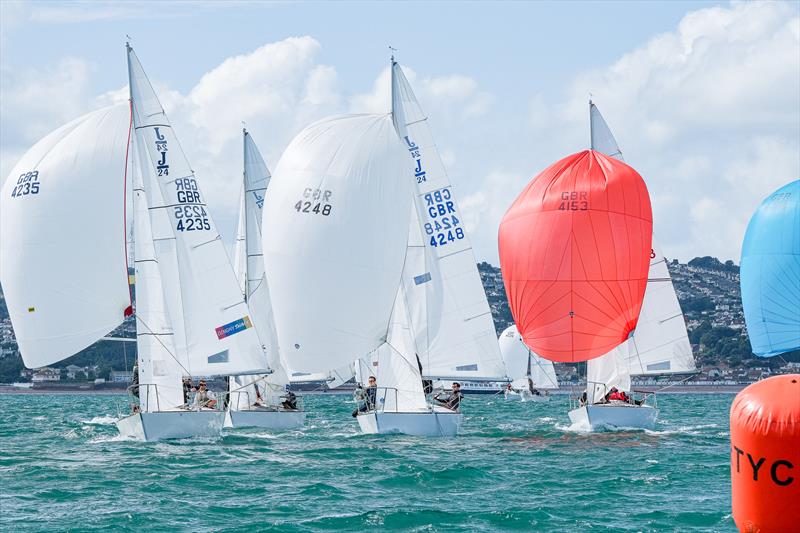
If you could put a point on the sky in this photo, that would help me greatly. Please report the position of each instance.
(703, 97)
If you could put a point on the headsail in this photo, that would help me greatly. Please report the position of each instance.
(770, 273)
(217, 335)
(397, 371)
(453, 328)
(160, 371)
(249, 261)
(335, 230)
(63, 261)
(660, 343)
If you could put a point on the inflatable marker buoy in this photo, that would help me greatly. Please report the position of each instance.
(765, 456)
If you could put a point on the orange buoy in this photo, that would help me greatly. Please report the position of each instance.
(765, 456)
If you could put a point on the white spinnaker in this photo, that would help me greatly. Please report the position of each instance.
(160, 383)
(660, 344)
(250, 272)
(463, 344)
(397, 374)
(218, 332)
(335, 231)
(522, 363)
(63, 263)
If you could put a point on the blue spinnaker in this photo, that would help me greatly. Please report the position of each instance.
(770, 273)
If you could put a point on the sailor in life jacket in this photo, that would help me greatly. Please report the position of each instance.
(617, 395)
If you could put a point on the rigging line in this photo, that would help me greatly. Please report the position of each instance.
(156, 336)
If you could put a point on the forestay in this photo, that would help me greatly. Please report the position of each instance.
(450, 316)
(213, 330)
(63, 263)
(335, 230)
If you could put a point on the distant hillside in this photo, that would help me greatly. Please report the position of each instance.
(707, 288)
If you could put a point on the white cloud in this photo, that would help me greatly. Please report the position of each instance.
(708, 113)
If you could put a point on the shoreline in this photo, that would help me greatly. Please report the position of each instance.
(676, 389)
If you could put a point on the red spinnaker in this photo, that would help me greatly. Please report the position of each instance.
(575, 253)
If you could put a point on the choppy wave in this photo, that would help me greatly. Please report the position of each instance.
(516, 466)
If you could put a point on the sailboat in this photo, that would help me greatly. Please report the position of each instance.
(441, 327)
(575, 250)
(770, 273)
(258, 400)
(659, 345)
(335, 234)
(64, 224)
(531, 375)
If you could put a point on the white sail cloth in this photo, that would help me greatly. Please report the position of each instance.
(249, 267)
(335, 230)
(660, 343)
(213, 331)
(521, 362)
(453, 328)
(63, 263)
(160, 373)
(397, 372)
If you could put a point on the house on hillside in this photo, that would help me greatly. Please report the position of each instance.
(46, 374)
(72, 371)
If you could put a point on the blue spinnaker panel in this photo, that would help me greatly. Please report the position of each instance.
(770, 273)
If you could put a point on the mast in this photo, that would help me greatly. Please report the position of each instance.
(591, 125)
(246, 217)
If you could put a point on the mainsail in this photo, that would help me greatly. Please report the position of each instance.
(334, 236)
(249, 266)
(214, 333)
(660, 343)
(522, 363)
(450, 318)
(770, 273)
(63, 261)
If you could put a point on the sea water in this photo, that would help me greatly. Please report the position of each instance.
(515, 467)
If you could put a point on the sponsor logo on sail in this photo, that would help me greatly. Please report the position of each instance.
(234, 327)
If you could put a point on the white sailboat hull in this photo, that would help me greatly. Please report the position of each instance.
(163, 425)
(526, 396)
(437, 423)
(265, 418)
(614, 415)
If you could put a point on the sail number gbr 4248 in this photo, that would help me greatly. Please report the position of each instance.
(315, 202)
(443, 227)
